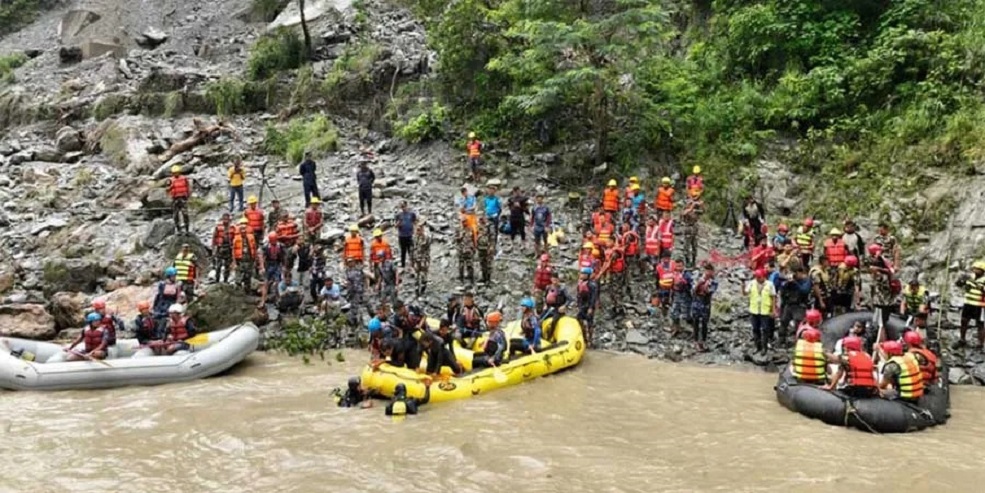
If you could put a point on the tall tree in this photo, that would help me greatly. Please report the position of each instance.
(304, 29)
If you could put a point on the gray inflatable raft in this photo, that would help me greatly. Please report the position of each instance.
(36, 365)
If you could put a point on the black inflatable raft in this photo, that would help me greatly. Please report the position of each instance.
(874, 415)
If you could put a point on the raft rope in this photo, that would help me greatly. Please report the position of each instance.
(850, 410)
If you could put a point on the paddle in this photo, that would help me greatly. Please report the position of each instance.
(86, 357)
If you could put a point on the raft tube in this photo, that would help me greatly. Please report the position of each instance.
(42, 365)
(564, 352)
(874, 415)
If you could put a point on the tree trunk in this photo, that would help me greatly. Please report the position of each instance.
(304, 29)
(601, 123)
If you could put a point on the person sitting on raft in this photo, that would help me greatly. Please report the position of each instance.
(812, 320)
(180, 329)
(530, 325)
(146, 329)
(929, 364)
(402, 405)
(469, 321)
(355, 395)
(95, 337)
(438, 355)
(401, 353)
(809, 364)
(447, 335)
(857, 367)
(492, 354)
(901, 377)
(858, 329)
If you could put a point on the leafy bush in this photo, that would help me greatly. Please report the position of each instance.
(230, 96)
(7, 65)
(14, 14)
(428, 125)
(307, 338)
(275, 52)
(315, 134)
(355, 65)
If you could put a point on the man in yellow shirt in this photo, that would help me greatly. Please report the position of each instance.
(237, 175)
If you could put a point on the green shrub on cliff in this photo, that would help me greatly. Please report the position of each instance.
(316, 134)
(14, 14)
(7, 65)
(280, 50)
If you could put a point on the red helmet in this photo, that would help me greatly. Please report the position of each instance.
(143, 305)
(783, 228)
(912, 338)
(764, 229)
(852, 343)
(760, 273)
(811, 335)
(809, 222)
(98, 304)
(893, 348)
(874, 249)
(813, 317)
(851, 261)
(272, 237)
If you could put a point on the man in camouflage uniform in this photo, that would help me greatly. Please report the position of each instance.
(465, 242)
(355, 286)
(420, 257)
(689, 219)
(274, 215)
(389, 279)
(222, 246)
(680, 308)
(486, 248)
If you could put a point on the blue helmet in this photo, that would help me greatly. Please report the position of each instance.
(93, 317)
(375, 325)
(170, 272)
(586, 270)
(527, 303)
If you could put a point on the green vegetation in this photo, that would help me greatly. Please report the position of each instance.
(267, 10)
(174, 103)
(871, 93)
(232, 96)
(429, 124)
(275, 52)
(315, 134)
(7, 65)
(352, 70)
(306, 338)
(108, 106)
(113, 142)
(14, 14)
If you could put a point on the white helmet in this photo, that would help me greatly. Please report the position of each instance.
(176, 308)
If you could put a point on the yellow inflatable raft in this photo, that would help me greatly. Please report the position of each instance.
(565, 351)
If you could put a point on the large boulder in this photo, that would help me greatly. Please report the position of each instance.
(68, 139)
(202, 253)
(73, 22)
(223, 305)
(72, 275)
(67, 310)
(157, 231)
(124, 301)
(26, 322)
(156, 202)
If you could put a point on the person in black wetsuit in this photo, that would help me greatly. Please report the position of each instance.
(438, 354)
(402, 405)
(402, 352)
(354, 395)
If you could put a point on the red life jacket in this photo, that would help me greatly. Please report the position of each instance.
(695, 184)
(928, 364)
(860, 367)
(665, 276)
(110, 329)
(632, 242)
(542, 277)
(652, 244)
(179, 187)
(583, 287)
(179, 329)
(617, 262)
(312, 218)
(551, 298)
(666, 229)
(92, 337)
(170, 289)
(680, 283)
(835, 250)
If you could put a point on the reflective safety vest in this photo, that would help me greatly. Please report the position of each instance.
(631, 241)
(974, 294)
(354, 248)
(928, 364)
(666, 229)
(835, 250)
(665, 276)
(761, 298)
(179, 187)
(914, 298)
(809, 364)
(860, 368)
(909, 384)
(665, 198)
(179, 329)
(652, 244)
(222, 235)
(804, 241)
(375, 247)
(254, 218)
(542, 277)
(93, 338)
(251, 246)
(610, 199)
(185, 265)
(475, 148)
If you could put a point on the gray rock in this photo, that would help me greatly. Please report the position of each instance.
(48, 154)
(68, 139)
(546, 158)
(26, 321)
(409, 179)
(636, 337)
(156, 202)
(332, 234)
(72, 275)
(157, 232)
(51, 224)
(20, 157)
(977, 373)
(396, 192)
(957, 376)
(152, 37)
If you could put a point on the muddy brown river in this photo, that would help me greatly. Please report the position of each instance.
(616, 423)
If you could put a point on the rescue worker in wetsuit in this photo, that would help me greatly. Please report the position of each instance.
(400, 353)
(222, 247)
(496, 345)
(530, 326)
(180, 329)
(856, 367)
(809, 364)
(401, 405)
(588, 301)
(437, 353)
(974, 304)
(469, 321)
(355, 395)
(929, 363)
(95, 338)
(901, 377)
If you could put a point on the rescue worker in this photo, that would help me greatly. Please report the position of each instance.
(273, 217)
(805, 241)
(222, 247)
(287, 232)
(762, 309)
(781, 238)
(186, 264)
(754, 216)
(610, 197)
(469, 321)
(615, 267)
(632, 188)
(180, 329)
(680, 308)
(473, 149)
(704, 288)
(466, 204)
(254, 218)
(465, 242)
(651, 242)
(846, 286)
(915, 303)
(111, 324)
(929, 364)
(273, 260)
(795, 294)
(313, 221)
(309, 178)
(821, 279)
(629, 241)
(244, 255)
(388, 279)
(812, 320)
(628, 216)
(355, 247)
(375, 345)
(146, 329)
(835, 249)
(493, 207)
(485, 246)
(302, 250)
(690, 230)
(541, 221)
(900, 377)
(974, 304)
(695, 183)
(236, 175)
(556, 299)
(588, 300)
(453, 306)
(809, 364)
(94, 337)
(365, 179)
(319, 271)
(890, 246)
(665, 196)
(438, 354)
(585, 257)
(376, 246)
(495, 349)
(665, 227)
(401, 405)
(857, 367)
(542, 278)
(665, 282)
(761, 255)
(420, 257)
(167, 293)
(529, 343)
(881, 281)
(180, 190)
(405, 220)
(355, 395)
(854, 244)
(355, 289)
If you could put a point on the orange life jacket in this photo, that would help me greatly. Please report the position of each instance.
(928, 367)
(375, 247)
(631, 241)
(860, 368)
(475, 148)
(665, 276)
(610, 199)
(238, 250)
(666, 229)
(354, 248)
(605, 233)
(835, 250)
(652, 244)
(179, 329)
(254, 218)
(179, 187)
(222, 234)
(287, 232)
(665, 198)
(599, 219)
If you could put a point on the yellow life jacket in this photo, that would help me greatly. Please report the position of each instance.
(185, 265)
(910, 382)
(974, 294)
(809, 364)
(761, 298)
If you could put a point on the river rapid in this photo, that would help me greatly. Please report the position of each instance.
(615, 423)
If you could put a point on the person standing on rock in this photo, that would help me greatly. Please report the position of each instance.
(237, 175)
(762, 307)
(664, 201)
(890, 246)
(665, 227)
(629, 241)
(618, 288)
(254, 218)
(804, 239)
(665, 282)
(377, 246)
(542, 223)
(405, 220)
(881, 279)
(821, 278)
(180, 190)
(244, 255)
(853, 241)
(755, 217)
(167, 293)
(420, 258)
(485, 246)
(628, 215)
(313, 221)
(466, 204)
(494, 209)
(273, 260)
(365, 178)
(795, 295)
(354, 248)
(973, 309)
(309, 179)
(222, 248)
(275, 214)
(465, 242)
(287, 230)
(704, 289)
(473, 149)
(518, 205)
(680, 308)
(355, 288)
(302, 251)
(185, 262)
(388, 280)
(588, 301)
(319, 270)
(846, 287)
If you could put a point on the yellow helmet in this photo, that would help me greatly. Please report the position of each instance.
(835, 232)
(252, 200)
(980, 265)
(587, 244)
(665, 180)
(315, 200)
(612, 183)
(471, 135)
(634, 187)
(633, 179)
(377, 233)
(696, 170)
(353, 228)
(176, 168)
(243, 220)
